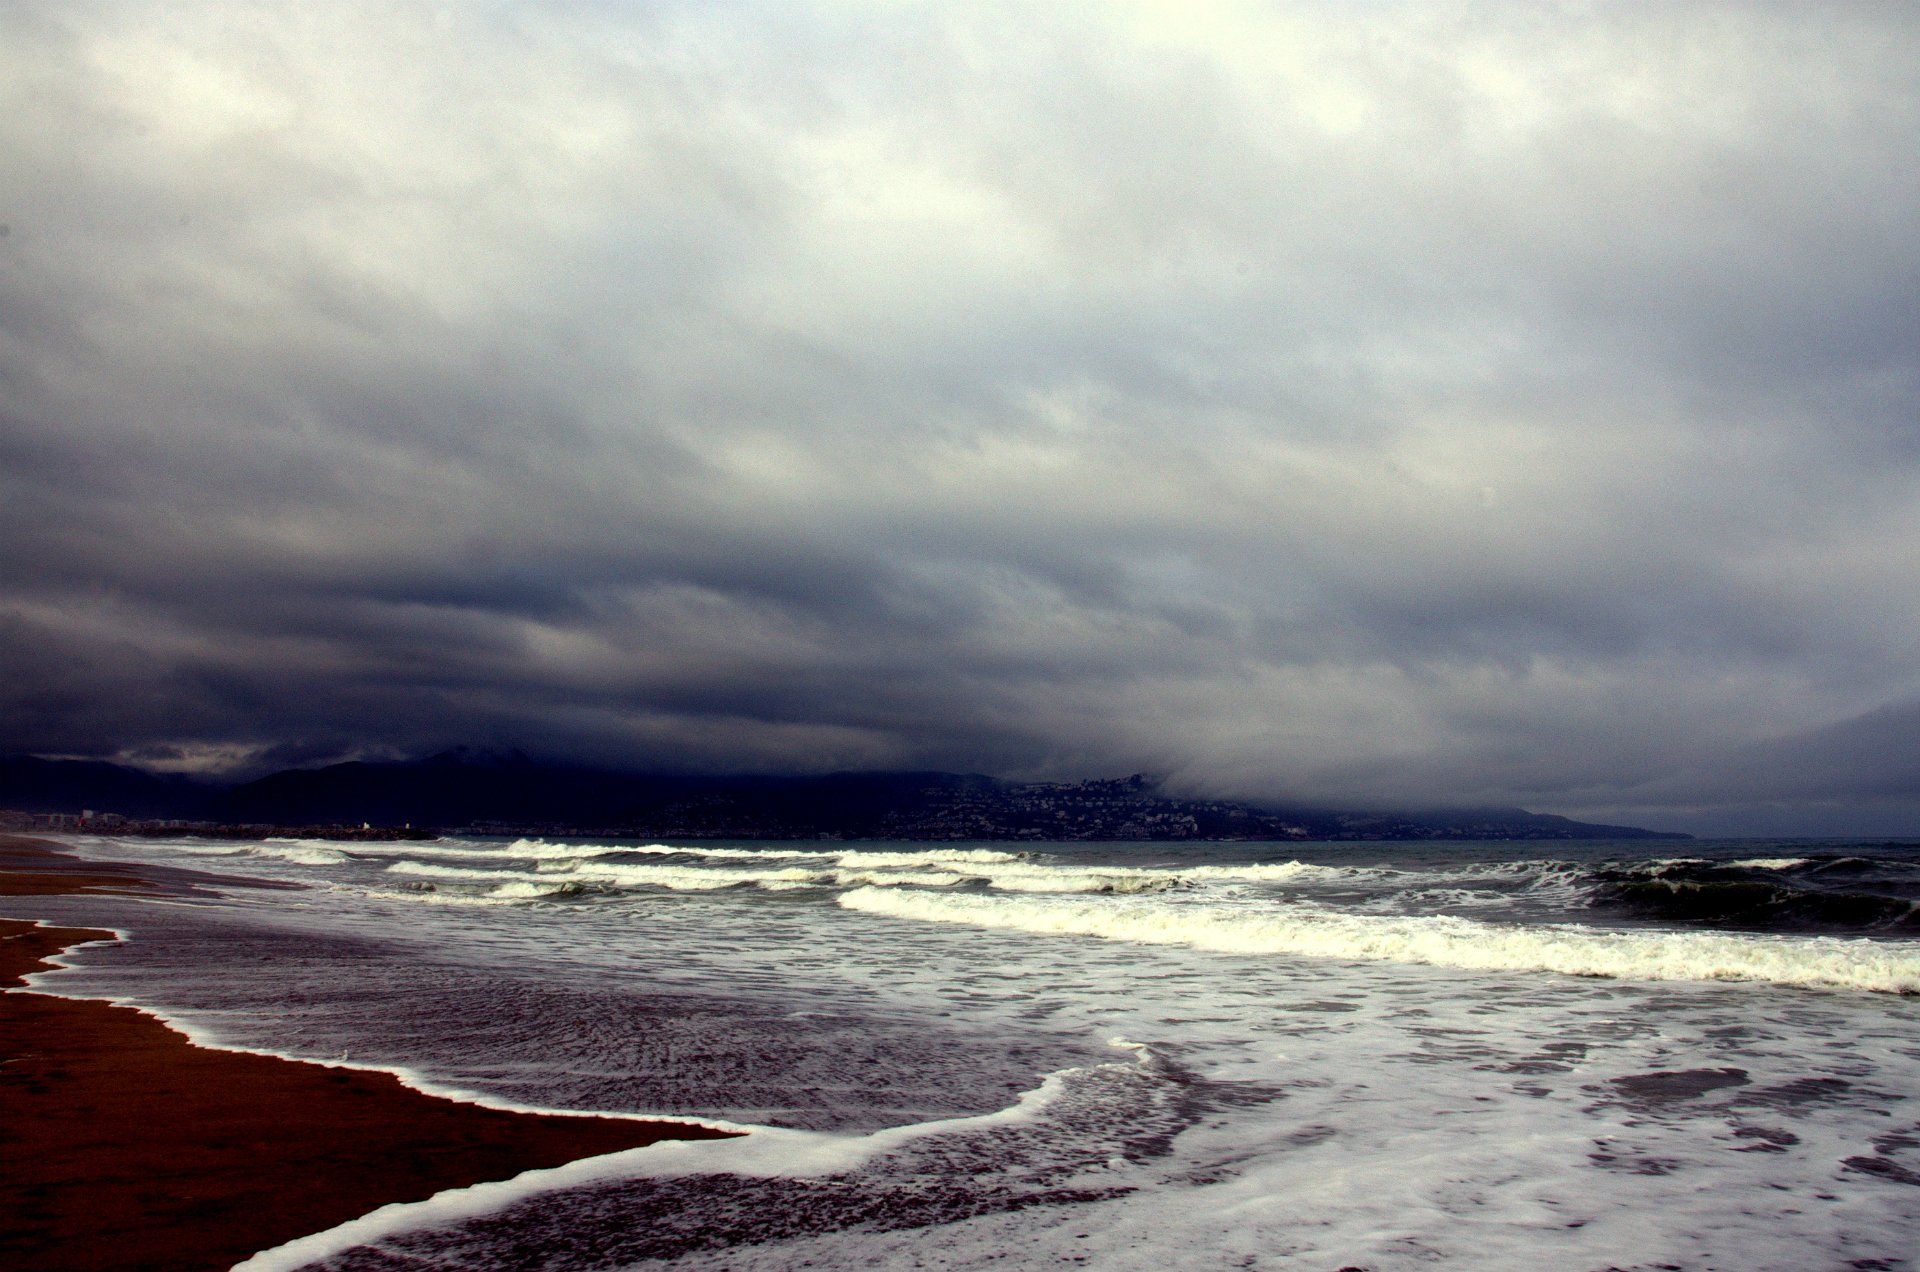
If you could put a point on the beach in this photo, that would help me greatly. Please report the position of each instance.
(128, 1146)
(1296, 1057)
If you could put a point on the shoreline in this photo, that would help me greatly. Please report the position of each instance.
(127, 1145)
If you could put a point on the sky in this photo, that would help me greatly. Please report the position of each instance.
(1362, 403)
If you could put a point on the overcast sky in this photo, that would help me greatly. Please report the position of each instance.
(1372, 403)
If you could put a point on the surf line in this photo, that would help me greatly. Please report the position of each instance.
(135, 1146)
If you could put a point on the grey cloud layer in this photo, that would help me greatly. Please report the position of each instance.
(1413, 406)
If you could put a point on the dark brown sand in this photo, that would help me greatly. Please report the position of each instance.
(124, 1146)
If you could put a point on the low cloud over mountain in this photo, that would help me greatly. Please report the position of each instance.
(1390, 408)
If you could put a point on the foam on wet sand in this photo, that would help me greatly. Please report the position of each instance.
(129, 1146)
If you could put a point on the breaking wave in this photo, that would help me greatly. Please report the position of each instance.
(1845, 894)
(1437, 940)
(997, 871)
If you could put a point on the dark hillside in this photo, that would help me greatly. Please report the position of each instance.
(513, 794)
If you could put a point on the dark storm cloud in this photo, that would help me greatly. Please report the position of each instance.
(1402, 405)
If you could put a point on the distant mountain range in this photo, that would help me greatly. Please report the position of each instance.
(513, 794)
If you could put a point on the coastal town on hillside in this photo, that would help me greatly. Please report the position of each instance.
(934, 807)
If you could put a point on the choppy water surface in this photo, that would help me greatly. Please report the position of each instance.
(1490, 1056)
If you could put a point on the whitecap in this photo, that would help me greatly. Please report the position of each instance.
(1438, 940)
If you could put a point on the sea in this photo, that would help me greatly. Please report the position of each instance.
(1625, 1055)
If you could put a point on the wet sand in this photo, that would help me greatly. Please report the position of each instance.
(125, 1146)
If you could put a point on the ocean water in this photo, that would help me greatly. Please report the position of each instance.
(1624, 1055)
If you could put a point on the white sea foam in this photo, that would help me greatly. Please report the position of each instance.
(196, 848)
(692, 878)
(305, 852)
(725, 854)
(425, 894)
(526, 890)
(1288, 872)
(60, 961)
(1068, 881)
(930, 856)
(1768, 863)
(1438, 940)
(545, 850)
(999, 871)
(1025, 876)
(300, 852)
(518, 850)
(762, 1152)
(677, 878)
(1032, 877)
